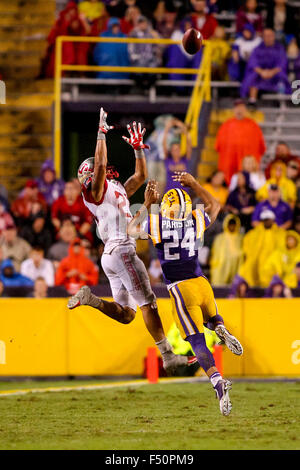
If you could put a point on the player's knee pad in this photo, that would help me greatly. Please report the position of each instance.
(203, 354)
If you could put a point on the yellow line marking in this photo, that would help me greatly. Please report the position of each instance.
(135, 383)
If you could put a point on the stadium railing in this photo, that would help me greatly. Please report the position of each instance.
(201, 87)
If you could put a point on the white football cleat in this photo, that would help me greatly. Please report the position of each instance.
(222, 391)
(231, 342)
(82, 297)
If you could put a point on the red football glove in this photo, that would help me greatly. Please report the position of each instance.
(136, 137)
(103, 126)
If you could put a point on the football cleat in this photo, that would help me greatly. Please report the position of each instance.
(231, 342)
(83, 297)
(222, 392)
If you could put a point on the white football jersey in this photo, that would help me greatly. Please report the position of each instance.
(112, 214)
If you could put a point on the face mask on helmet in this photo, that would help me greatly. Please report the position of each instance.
(86, 171)
(176, 205)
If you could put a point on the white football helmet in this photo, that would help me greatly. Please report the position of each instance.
(86, 170)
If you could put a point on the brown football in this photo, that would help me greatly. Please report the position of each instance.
(192, 41)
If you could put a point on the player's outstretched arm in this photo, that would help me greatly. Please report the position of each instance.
(100, 157)
(212, 206)
(135, 181)
(134, 228)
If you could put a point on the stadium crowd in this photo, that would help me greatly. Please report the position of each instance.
(263, 54)
(47, 235)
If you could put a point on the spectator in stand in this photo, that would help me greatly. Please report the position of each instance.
(293, 54)
(40, 290)
(283, 214)
(14, 247)
(266, 69)
(5, 219)
(216, 186)
(283, 154)
(241, 51)
(258, 245)
(167, 25)
(250, 169)
(37, 266)
(155, 272)
(296, 283)
(241, 201)
(59, 29)
(226, 252)
(10, 278)
(76, 270)
(130, 20)
(239, 289)
(144, 55)
(248, 14)
(204, 22)
(29, 203)
(277, 289)
(155, 155)
(174, 160)
(282, 262)
(237, 137)
(37, 233)
(48, 185)
(278, 178)
(69, 23)
(293, 170)
(177, 57)
(220, 53)
(3, 193)
(282, 18)
(60, 249)
(76, 53)
(71, 206)
(112, 54)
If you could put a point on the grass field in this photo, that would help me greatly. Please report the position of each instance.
(155, 417)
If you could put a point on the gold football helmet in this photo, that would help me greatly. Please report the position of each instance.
(176, 204)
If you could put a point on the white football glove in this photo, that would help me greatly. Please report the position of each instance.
(103, 126)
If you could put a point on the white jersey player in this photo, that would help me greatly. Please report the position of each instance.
(108, 201)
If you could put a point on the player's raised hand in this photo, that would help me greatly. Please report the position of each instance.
(136, 134)
(151, 193)
(103, 126)
(184, 178)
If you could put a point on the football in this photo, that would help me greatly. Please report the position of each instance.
(192, 41)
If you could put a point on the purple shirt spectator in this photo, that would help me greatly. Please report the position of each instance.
(50, 186)
(267, 67)
(283, 212)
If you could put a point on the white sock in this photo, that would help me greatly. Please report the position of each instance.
(214, 378)
(164, 346)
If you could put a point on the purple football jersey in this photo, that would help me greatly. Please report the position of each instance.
(177, 244)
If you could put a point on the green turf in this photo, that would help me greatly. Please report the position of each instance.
(164, 416)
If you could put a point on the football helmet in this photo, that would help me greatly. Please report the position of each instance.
(86, 170)
(176, 204)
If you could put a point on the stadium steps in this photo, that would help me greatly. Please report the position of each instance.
(209, 157)
(26, 131)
